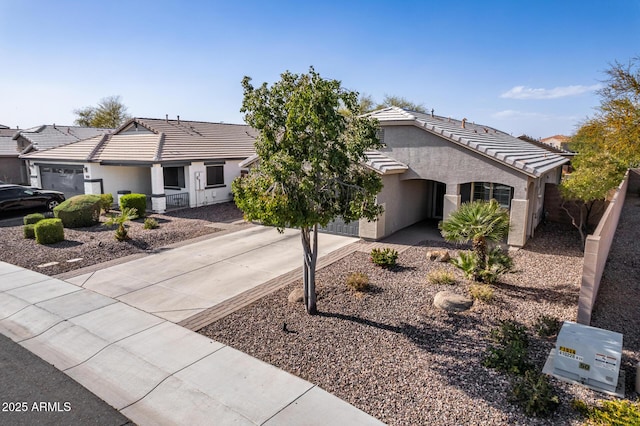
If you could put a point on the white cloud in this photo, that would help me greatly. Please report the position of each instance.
(523, 92)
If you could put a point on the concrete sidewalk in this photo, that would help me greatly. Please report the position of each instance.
(151, 370)
(184, 281)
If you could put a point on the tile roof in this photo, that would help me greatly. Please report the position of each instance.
(545, 145)
(373, 159)
(185, 140)
(8, 146)
(383, 164)
(561, 138)
(51, 136)
(163, 141)
(495, 144)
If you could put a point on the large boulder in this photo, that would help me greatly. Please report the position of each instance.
(296, 296)
(452, 302)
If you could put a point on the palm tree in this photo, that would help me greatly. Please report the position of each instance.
(127, 214)
(477, 221)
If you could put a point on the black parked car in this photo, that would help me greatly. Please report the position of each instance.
(16, 197)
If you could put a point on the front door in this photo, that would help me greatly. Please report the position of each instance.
(439, 189)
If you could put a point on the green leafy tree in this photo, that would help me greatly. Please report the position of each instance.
(478, 222)
(399, 101)
(615, 128)
(588, 186)
(368, 104)
(310, 169)
(607, 144)
(109, 114)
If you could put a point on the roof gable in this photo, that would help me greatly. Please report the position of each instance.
(51, 136)
(487, 141)
(155, 140)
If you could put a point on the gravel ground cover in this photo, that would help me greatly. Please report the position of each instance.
(392, 354)
(97, 244)
(617, 306)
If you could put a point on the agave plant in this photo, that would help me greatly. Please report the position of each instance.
(127, 214)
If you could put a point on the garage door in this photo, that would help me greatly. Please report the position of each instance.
(63, 178)
(339, 227)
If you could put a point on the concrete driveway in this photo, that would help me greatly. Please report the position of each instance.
(113, 332)
(181, 282)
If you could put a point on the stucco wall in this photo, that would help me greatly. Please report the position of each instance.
(434, 158)
(118, 178)
(12, 170)
(405, 202)
(199, 195)
(445, 162)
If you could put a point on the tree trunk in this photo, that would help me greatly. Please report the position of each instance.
(578, 222)
(480, 249)
(310, 255)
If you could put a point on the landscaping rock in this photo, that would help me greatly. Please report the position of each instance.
(296, 296)
(452, 302)
(439, 255)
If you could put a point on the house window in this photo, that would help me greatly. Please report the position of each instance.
(215, 175)
(487, 191)
(173, 177)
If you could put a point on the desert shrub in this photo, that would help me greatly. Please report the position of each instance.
(28, 231)
(357, 281)
(546, 326)
(126, 214)
(151, 223)
(32, 218)
(534, 394)
(441, 276)
(498, 263)
(134, 201)
(510, 352)
(482, 292)
(49, 231)
(386, 257)
(106, 201)
(466, 262)
(79, 211)
(618, 412)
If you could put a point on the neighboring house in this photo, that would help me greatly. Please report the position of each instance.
(430, 165)
(12, 169)
(40, 138)
(557, 141)
(566, 168)
(177, 163)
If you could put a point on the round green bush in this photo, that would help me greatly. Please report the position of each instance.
(106, 201)
(135, 201)
(32, 218)
(29, 231)
(79, 211)
(49, 231)
(151, 223)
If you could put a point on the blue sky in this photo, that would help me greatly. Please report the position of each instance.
(522, 67)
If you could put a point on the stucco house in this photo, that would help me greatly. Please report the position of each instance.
(557, 141)
(449, 162)
(12, 168)
(430, 165)
(177, 163)
(48, 136)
